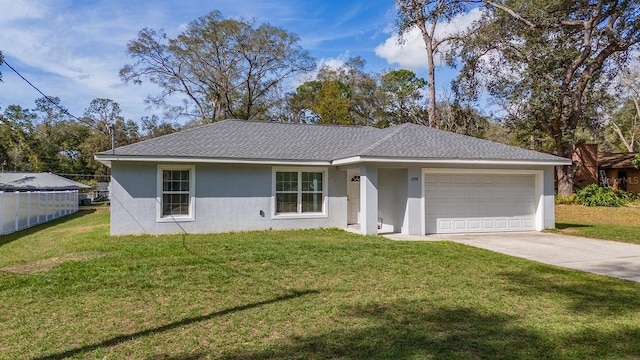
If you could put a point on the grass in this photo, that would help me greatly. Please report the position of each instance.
(611, 223)
(296, 294)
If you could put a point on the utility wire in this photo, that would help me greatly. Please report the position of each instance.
(65, 111)
(83, 175)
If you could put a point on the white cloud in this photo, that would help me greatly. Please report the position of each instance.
(332, 63)
(182, 27)
(411, 53)
(72, 55)
(21, 10)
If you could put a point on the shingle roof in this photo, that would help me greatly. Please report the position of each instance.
(616, 160)
(26, 181)
(240, 139)
(415, 141)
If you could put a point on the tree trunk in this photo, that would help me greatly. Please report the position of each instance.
(564, 175)
(431, 110)
(431, 77)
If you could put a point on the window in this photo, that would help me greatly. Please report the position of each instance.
(299, 192)
(175, 193)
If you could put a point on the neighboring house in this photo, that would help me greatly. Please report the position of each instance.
(27, 181)
(607, 169)
(617, 171)
(101, 191)
(237, 175)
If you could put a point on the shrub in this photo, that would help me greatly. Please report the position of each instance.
(627, 197)
(594, 195)
(566, 200)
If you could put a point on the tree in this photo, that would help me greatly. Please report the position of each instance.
(552, 62)
(625, 125)
(363, 100)
(321, 101)
(344, 95)
(103, 118)
(153, 127)
(47, 135)
(462, 120)
(332, 103)
(425, 15)
(1, 62)
(222, 68)
(16, 139)
(636, 161)
(403, 101)
(626, 121)
(102, 114)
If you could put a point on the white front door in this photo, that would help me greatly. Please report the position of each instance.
(353, 197)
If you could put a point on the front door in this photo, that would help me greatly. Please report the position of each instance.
(353, 198)
(622, 180)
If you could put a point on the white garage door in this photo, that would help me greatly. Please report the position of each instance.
(467, 203)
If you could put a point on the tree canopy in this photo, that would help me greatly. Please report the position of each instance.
(348, 95)
(425, 15)
(550, 62)
(220, 68)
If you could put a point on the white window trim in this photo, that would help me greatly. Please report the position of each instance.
(192, 199)
(325, 192)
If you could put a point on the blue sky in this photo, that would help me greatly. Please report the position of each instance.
(74, 49)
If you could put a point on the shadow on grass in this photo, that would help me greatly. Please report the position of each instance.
(588, 295)
(188, 321)
(6, 239)
(405, 330)
(179, 357)
(562, 226)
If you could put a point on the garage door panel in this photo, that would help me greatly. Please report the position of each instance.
(474, 224)
(479, 202)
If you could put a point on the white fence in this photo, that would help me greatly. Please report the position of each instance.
(20, 210)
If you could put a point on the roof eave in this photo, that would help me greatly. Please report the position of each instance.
(361, 159)
(107, 160)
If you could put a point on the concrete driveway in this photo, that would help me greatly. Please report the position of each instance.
(610, 258)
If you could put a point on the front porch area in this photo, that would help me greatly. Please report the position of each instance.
(384, 200)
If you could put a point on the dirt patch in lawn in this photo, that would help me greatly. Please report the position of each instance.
(46, 264)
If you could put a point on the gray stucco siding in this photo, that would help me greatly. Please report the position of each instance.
(227, 198)
(549, 197)
(392, 197)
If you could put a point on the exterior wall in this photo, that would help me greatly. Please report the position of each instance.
(632, 179)
(392, 198)
(585, 156)
(413, 213)
(233, 197)
(227, 198)
(548, 197)
(368, 199)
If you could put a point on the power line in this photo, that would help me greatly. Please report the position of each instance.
(84, 175)
(49, 99)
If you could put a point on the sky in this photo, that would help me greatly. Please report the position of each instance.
(73, 49)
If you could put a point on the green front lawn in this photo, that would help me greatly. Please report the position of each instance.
(610, 223)
(67, 289)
